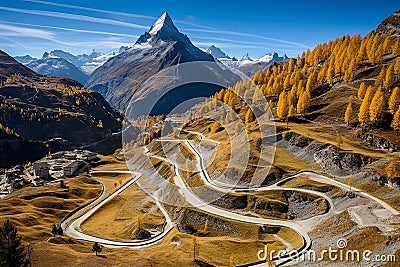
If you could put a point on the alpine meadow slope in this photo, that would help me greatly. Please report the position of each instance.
(43, 113)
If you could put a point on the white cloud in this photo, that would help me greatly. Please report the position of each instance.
(133, 15)
(74, 30)
(225, 41)
(74, 17)
(248, 35)
(15, 31)
(10, 40)
(91, 9)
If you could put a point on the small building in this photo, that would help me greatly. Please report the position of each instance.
(70, 156)
(14, 172)
(41, 169)
(57, 155)
(87, 156)
(56, 167)
(72, 168)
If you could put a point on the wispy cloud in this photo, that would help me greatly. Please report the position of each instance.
(73, 30)
(133, 15)
(8, 30)
(248, 35)
(229, 45)
(231, 41)
(91, 9)
(24, 32)
(45, 32)
(31, 48)
(70, 16)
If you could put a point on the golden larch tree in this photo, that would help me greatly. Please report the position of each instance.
(387, 44)
(363, 115)
(283, 106)
(349, 111)
(362, 90)
(292, 111)
(389, 76)
(397, 68)
(312, 80)
(377, 106)
(396, 121)
(206, 224)
(194, 247)
(391, 170)
(349, 71)
(381, 77)
(396, 48)
(304, 102)
(394, 100)
(248, 118)
(379, 52)
(215, 127)
(330, 73)
(322, 74)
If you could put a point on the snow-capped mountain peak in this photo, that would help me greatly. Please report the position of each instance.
(162, 30)
(249, 65)
(163, 23)
(246, 58)
(216, 52)
(267, 57)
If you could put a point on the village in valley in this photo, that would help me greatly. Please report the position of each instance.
(51, 169)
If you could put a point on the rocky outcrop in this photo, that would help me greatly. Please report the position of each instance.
(142, 234)
(390, 25)
(232, 202)
(192, 222)
(333, 160)
(338, 162)
(271, 206)
(303, 206)
(378, 142)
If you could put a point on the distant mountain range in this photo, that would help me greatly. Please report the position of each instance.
(40, 113)
(118, 76)
(64, 64)
(120, 79)
(246, 64)
(216, 52)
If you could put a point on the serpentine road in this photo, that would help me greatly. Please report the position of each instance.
(72, 228)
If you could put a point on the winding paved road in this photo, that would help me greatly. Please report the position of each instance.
(72, 226)
(73, 229)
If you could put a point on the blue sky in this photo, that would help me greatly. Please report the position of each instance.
(237, 27)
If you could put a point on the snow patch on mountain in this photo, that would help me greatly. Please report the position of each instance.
(216, 52)
(159, 24)
(246, 64)
(54, 66)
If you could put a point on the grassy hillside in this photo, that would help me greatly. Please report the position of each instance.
(39, 113)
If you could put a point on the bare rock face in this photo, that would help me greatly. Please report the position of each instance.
(390, 25)
(378, 142)
(120, 79)
(332, 159)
